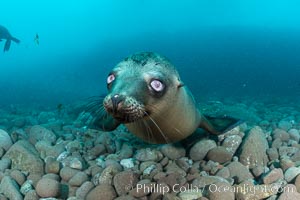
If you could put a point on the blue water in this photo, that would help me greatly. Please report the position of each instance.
(221, 48)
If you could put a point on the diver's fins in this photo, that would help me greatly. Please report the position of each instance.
(105, 122)
(7, 45)
(219, 125)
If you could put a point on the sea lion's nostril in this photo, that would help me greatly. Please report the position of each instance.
(116, 99)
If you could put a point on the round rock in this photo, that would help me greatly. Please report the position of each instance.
(48, 188)
(201, 148)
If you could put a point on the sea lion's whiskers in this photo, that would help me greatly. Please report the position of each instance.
(149, 131)
(161, 132)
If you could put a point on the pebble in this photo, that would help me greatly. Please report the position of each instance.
(127, 163)
(26, 187)
(294, 134)
(232, 143)
(84, 189)
(24, 157)
(53, 166)
(5, 163)
(286, 163)
(297, 183)
(285, 124)
(38, 133)
(66, 173)
(148, 155)
(5, 140)
(103, 192)
(289, 193)
(190, 194)
(18, 176)
(200, 149)
(273, 176)
(287, 151)
(253, 150)
(125, 181)
(272, 154)
(75, 163)
(221, 191)
(281, 134)
(48, 188)
(107, 175)
(78, 179)
(31, 195)
(173, 151)
(219, 154)
(239, 171)
(10, 188)
(204, 181)
(291, 173)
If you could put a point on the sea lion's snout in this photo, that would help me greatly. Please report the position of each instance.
(124, 108)
(116, 100)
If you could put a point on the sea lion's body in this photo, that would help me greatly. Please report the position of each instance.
(4, 34)
(147, 95)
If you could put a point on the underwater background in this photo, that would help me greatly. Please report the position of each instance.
(221, 48)
(239, 58)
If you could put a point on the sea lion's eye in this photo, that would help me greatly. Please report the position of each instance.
(157, 86)
(110, 78)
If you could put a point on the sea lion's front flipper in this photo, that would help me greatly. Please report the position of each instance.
(7, 45)
(218, 125)
(105, 122)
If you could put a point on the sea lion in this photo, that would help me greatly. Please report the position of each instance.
(4, 34)
(146, 94)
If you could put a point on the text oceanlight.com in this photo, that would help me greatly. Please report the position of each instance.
(162, 188)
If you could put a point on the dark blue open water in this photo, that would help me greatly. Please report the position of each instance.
(221, 48)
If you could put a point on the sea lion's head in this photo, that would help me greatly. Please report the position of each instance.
(139, 86)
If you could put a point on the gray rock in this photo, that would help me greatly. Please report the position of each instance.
(203, 181)
(48, 188)
(173, 151)
(31, 195)
(25, 158)
(84, 189)
(287, 151)
(26, 187)
(232, 143)
(294, 134)
(125, 181)
(201, 148)
(291, 173)
(272, 154)
(10, 188)
(103, 192)
(239, 172)
(4, 164)
(38, 133)
(281, 134)
(219, 154)
(289, 193)
(220, 191)
(148, 155)
(254, 148)
(297, 183)
(5, 140)
(78, 179)
(273, 176)
(66, 173)
(285, 124)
